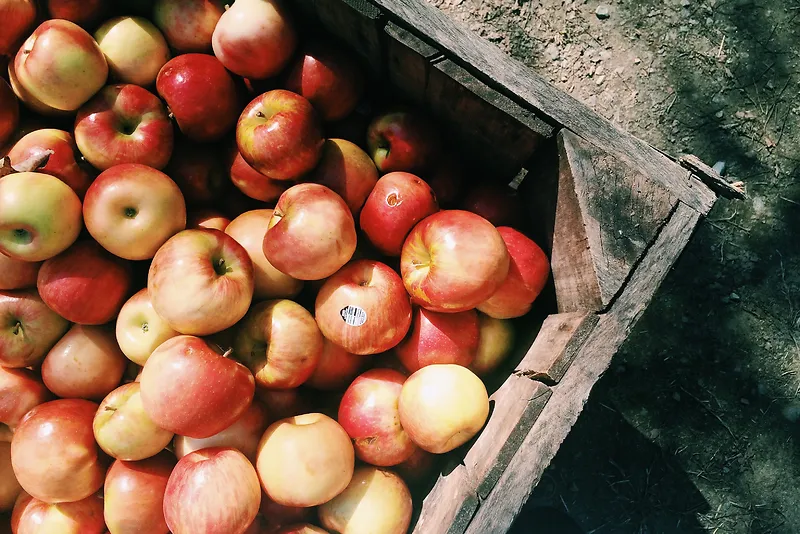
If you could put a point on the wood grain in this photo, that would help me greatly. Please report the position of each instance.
(408, 62)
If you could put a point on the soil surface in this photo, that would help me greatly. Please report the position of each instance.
(694, 428)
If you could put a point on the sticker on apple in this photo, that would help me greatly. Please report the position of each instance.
(353, 315)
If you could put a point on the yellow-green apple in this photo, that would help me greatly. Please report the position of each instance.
(32, 516)
(201, 281)
(122, 428)
(133, 495)
(63, 163)
(301, 528)
(397, 203)
(124, 124)
(279, 135)
(9, 487)
(17, 274)
(40, 216)
(249, 229)
(417, 467)
(364, 308)
(251, 182)
(85, 284)
(496, 343)
(347, 170)
(191, 390)
(280, 342)
(212, 490)
(369, 413)
(442, 406)
(498, 204)
(311, 234)
(84, 364)
(53, 452)
(134, 48)
(402, 141)
(283, 403)
(132, 209)
(140, 330)
(199, 172)
(295, 470)
(20, 391)
(453, 261)
(446, 179)
(188, 24)
(30, 328)
(243, 435)
(248, 28)
(60, 65)
(377, 501)
(207, 218)
(201, 96)
(9, 112)
(30, 101)
(18, 17)
(336, 368)
(82, 12)
(528, 273)
(440, 338)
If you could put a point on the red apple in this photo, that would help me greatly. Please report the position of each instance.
(498, 204)
(124, 124)
(402, 141)
(32, 516)
(453, 261)
(496, 343)
(201, 282)
(311, 234)
(17, 274)
(139, 329)
(132, 209)
(447, 180)
(283, 403)
(134, 48)
(30, 328)
(199, 172)
(133, 496)
(188, 24)
(528, 273)
(243, 435)
(336, 368)
(305, 460)
(201, 96)
(18, 17)
(369, 413)
(329, 78)
(279, 135)
(207, 218)
(347, 170)
(280, 343)
(85, 284)
(190, 390)
(54, 453)
(81, 12)
(376, 501)
(399, 201)
(212, 490)
(20, 391)
(364, 308)
(417, 467)
(9, 112)
(246, 30)
(251, 182)
(440, 338)
(9, 487)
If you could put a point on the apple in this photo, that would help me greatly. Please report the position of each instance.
(31, 102)
(496, 343)
(301, 528)
(9, 487)
(528, 273)
(328, 77)
(18, 17)
(243, 435)
(272, 516)
(134, 48)
(17, 274)
(85, 284)
(443, 274)
(402, 141)
(311, 234)
(280, 343)
(40, 216)
(305, 460)
(212, 490)
(9, 111)
(82, 12)
(60, 65)
(377, 501)
(32, 516)
(498, 204)
(347, 170)
(190, 390)
(279, 135)
(133, 495)
(201, 281)
(417, 467)
(369, 413)
(283, 403)
(246, 30)
(364, 308)
(132, 209)
(442, 406)
(199, 172)
(336, 368)
(188, 24)
(53, 452)
(447, 180)
(207, 218)
(139, 329)
(63, 163)
(124, 124)
(249, 230)
(201, 96)
(30, 328)
(440, 338)
(20, 391)
(397, 203)
(251, 182)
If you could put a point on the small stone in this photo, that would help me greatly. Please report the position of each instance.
(719, 114)
(676, 396)
(636, 61)
(686, 3)
(734, 297)
(744, 401)
(600, 80)
(602, 12)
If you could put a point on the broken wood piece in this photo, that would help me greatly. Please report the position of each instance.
(713, 179)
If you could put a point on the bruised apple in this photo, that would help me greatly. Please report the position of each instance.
(29, 330)
(20, 391)
(243, 435)
(32, 516)
(440, 338)
(139, 329)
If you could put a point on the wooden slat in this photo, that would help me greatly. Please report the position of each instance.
(408, 62)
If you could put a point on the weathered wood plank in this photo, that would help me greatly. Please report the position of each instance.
(450, 505)
(408, 62)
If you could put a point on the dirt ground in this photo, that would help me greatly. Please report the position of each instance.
(695, 426)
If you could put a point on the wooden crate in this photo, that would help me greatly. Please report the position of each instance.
(613, 212)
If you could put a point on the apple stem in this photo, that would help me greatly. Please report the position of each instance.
(260, 114)
(227, 352)
(17, 328)
(110, 409)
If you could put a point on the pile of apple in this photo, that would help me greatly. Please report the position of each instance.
(214, 318)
